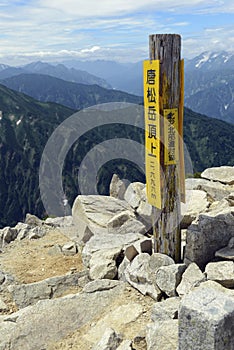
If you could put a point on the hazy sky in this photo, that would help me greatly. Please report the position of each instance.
(51, 30)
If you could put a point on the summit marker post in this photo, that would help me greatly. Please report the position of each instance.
(163, 104)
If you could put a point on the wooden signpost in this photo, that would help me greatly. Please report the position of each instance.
(163, 103)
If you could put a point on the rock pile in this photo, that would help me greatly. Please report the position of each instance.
(130, 297)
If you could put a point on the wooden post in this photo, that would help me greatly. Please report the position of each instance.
(167, 48)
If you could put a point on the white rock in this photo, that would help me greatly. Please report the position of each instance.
(117, 187)
(169, 277)
(3, 306)
(190, 278)
(196, 203)
(133, 194)
(125, 345)
(162, 335)
(221, 272)
(215, 190)
(206, 318)
(223, 174)
(109, 341)
(103, 264)
(165, 310)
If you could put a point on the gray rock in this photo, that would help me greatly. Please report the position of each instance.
(211, 232)
(95, 212)
(131, 252)
(165, 310)
(121, 269)
(49, 321)
(169, 277)
(110, 340)
(230, 198)
(215, 190)
(158, 259)
(196, 203)
(231, 243)
(37, 232)
(133, 194)
(223, 174)
(23, 230)
(142, 246)
(139, 275)
(125, 223)
(32, 220)
(162, 335)
(103, 264)
(191, 277)
(31, 293)
(225, 253)
(64, 221)
(7, 235)
(69, 248)
(206, 318)
(100, 285)
(107, 241)
(117, 187)
(221, 272)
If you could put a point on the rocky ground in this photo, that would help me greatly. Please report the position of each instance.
(93, 281)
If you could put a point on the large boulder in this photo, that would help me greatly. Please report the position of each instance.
(223, 174)
(169, 277)
(206, 318)
(191, 277)
(221, 272)
(209, 233)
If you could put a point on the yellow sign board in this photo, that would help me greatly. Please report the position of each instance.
(152, 131)
(171, 136)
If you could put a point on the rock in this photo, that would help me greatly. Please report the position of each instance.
(95, 212)
(223, 174)
(125, 222)
(7, 235)
(23, 230)
(117, 319)
(109, 341)
(2, 277)
(206, 318)
(169, 277)
(165, 310)
(139, 275)
(225, 253)
(117, 187)
(107, 241)
(30, 293)
(121, 269)
(100, 285)
(196, 203)
(69, 248)
(209, 233)
(133, 194)
(49, 321)
(103, 264)
(125, 345)
(192, 277)
(142, 246)
(163, 335)
(131, 252)
(37, 232)
(231, 243)
(230, 199)
(158, 259)
(215, 190)
(32, 220)
(221, 272)
(63, 221)
(3, 306)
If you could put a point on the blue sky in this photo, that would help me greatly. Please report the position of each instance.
(55, 30)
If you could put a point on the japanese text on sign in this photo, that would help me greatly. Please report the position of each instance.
(152, 132)
(171, 136)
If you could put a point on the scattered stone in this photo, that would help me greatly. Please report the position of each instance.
(103, 264)
(225, 253)
(7, 235)
(131, 252)
(211, 232)
(69, 248)
(63, 221)
(230, 199)
(162, 335)
(100, 285)
(169, 277)
(139, 275)
(223, 174)
(121, 269)
(117, 187)
(125, 223)
(125, 345)
(23, 230)
(109, 341)
(221, 272)
(158, 259)
(37, 233)
(32, 220)
(206, 318)
(133, 194)
(196, 203)
(165, 309)
(192, 277)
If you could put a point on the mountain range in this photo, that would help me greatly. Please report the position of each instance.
(26, 124)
